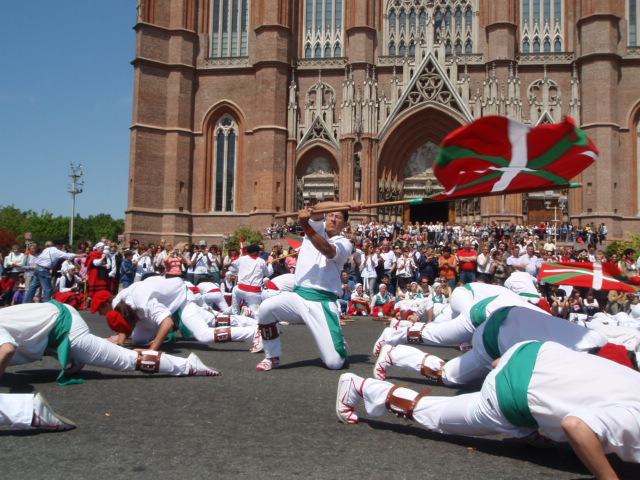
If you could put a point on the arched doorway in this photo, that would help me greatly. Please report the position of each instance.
(316, 178)
(405, 168)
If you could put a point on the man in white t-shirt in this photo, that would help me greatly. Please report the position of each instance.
(323, 253)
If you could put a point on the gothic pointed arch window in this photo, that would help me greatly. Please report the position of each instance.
(542, 24)
(224, 165)
(406, 21)
(229, 28)
(633, 9)
(323, 26)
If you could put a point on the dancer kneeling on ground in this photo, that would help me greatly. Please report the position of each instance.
(146, 311)
(536, 385)
(323, 253)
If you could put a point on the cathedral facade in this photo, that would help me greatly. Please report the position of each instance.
(244, 109)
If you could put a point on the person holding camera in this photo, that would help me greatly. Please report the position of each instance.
(174, 263)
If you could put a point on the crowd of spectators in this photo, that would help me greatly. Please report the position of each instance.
(414, 259)
(110, 266)
(407, 259)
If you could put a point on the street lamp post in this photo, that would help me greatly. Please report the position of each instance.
(74, 189)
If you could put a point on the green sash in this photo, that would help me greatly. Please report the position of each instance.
(492, 330)
(59, 338)
(512, 385)
(333, 321)
(478, 312)
(177, 319)
(184, 331)
(529, 295)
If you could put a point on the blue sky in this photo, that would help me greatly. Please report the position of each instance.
(66, 95)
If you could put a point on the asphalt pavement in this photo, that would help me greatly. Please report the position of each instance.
(253, 425)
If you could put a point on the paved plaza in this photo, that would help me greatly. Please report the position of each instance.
(249, 425)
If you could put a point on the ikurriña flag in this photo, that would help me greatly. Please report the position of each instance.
(498, 155)
(599, 276)
(294, 241)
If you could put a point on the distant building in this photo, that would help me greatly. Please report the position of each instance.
(243, 109)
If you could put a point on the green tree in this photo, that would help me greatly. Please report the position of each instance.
(619, 246)
(249, 236)
(44, 226)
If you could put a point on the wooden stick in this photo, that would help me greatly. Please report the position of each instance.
(284, 256)
(418, 201)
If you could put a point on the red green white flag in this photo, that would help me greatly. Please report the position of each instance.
(599, 276)
(498, 155)
(293, 240)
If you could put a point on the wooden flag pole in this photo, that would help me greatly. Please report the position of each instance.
(284, 256)
(418, 201)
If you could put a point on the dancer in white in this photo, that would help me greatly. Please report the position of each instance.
(323, 253)
(471, 305)
(27, 330)
(212, 295)
(504, 328)
(26, 410)
(252, 270)
(590, 402)
(281, 283)
(146, 312)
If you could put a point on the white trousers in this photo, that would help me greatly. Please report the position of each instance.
(471, 414)
(437, 334)
(292, 308)
(199, 321)
(216, 300)
(520, 325)
(253, 300)
(268, 293)
(16, 409)
(459, 371)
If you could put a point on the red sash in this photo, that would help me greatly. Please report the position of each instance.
(249, 288)
(271, 286)
(214, 290)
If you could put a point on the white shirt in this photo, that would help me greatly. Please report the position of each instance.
(607, 400)
(144, 265)
(206, 287)
(316, 271)
(27, 328)
(251, 271)
(369, 266)
(51, 256)
(202, 265)
(481, 258)
(12, 258)
(285, 283)
(155, 299)
(389, 259)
